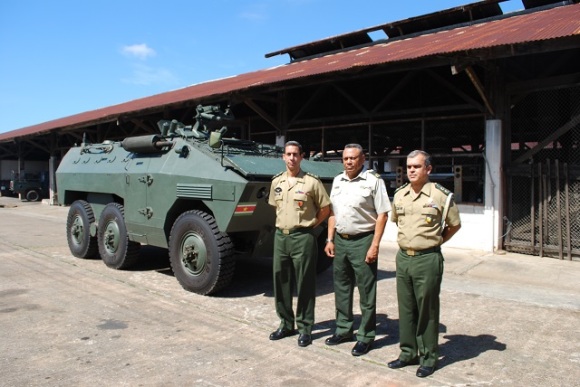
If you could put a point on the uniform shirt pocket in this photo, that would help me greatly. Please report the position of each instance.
(300, 202)
(430, 216)
(335, 192)
(399, 215)
(279, 200)
(363, 198)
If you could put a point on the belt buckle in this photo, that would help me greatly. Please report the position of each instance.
(411, 252)
(285, 231)
(345, 236)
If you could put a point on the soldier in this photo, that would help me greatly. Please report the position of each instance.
(427, 217)
(301, 204)
(360, 208)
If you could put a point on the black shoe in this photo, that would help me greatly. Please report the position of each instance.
(304, 340)
(361, 348)
(338, 339)
(280, 333)
(425, 371)
(400, 363)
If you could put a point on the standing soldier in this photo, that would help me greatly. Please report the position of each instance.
(360, 208)
(427, 217)
(301, 204)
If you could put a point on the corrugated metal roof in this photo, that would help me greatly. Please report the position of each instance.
(415, 25)
(548, 24)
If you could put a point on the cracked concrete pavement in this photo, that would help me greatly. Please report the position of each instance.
(506, 320)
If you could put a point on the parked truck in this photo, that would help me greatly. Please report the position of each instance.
(189, 189)
(32, 186)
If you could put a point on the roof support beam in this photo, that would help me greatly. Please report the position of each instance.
(409, 76)
(43, 148)
(480, 89)
(313, 98)
(455, 90)
(351, 100)
(552, 137)
(7, 151)
(263, 114)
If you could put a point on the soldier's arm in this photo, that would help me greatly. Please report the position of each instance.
(452, 220)
(322, 214)
(449, 231)
(329, 248)
(373, 252)
(271, 195)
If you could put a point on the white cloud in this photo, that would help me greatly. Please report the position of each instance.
(146, 76)
(141, 51)
(255, 12)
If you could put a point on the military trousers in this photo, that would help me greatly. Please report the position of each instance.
(418, 287)
(350, 270)
(295, 258)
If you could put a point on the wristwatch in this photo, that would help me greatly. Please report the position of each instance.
(329, 240)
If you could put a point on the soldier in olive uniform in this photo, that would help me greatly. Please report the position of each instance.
(426, 217)
(360, 207)
(301, 204)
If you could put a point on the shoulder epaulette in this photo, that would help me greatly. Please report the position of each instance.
(313, 175)
(401, 187)
(442, 189)
(374, 173)
(279, 174)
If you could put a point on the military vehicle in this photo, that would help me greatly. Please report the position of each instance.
(30, 186)
(188, 189)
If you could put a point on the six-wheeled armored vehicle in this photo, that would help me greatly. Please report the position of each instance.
(188, 189)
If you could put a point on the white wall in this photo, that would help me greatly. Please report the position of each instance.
(481, 225)
(7, 166)
(476, 231)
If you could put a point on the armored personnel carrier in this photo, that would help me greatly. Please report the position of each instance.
(189, 189)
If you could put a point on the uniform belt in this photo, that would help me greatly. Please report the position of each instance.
(355, 236)
(288, 231)
(412, 253)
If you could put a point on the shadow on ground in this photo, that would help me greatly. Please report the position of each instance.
(251, 276)
(464, 347)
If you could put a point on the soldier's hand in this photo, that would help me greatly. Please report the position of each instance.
(372, 255)
(329, 249)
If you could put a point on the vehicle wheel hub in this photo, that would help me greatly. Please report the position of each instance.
(111, 237)
(193, 254)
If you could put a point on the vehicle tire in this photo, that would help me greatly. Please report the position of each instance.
(324, 261)
(78, 223)
(115, 248)
(32, 195)
(201, 255)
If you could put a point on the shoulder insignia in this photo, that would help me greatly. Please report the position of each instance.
(279, 174)
(374, 173)
(442, 189)
(313, 175)
(401, 187)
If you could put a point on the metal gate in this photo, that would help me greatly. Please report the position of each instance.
(543, 201)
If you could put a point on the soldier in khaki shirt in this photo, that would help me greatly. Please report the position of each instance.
(301, 204)
(427, 217)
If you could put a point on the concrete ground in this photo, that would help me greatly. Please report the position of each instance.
(506, 320)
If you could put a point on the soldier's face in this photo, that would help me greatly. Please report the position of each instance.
(417, 171)
(353, 160)
(292, 157)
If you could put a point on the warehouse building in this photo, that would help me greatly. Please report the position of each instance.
(494, 97)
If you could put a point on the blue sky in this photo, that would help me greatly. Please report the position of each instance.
(63, 57)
